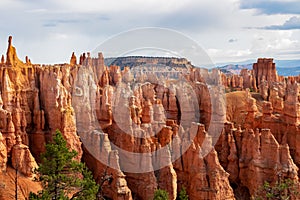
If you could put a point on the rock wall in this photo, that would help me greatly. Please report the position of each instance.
(258, 79)
(252, 157)
(265, 69)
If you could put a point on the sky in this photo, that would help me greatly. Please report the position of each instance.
(228, 30)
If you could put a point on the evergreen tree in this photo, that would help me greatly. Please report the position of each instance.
(283, 189)
(182, 194)
(161, 195)
(62, 177)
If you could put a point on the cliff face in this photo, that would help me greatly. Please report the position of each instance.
(34, 102)
(157, 128)
(265, 70)
(264, 144)
(141, 61)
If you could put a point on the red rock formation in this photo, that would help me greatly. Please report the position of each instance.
(292, 104)
(22, 160)
(73, 60)
(264, 161)
(276, 100)
(205, 174)
(11, 54)
(206, 177)
(261, 159)
(3, 154)
(265, 69)
(263, 89)
(154, 114)
(98, 144)
(2, 59)
(248, 81)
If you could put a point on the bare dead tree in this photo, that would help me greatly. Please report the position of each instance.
(16, 183)
(104, 178)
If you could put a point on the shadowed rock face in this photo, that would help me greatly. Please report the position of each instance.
(161, 123)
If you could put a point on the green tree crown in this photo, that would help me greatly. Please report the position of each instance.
(161, 195)
(62, 177)
(182, 194)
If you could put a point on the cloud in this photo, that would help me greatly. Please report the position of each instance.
(292, 23)
(56, 22)
(103, 6)
(232, 40)
(275, 44)
(270, 7)
(60, 27)
(39, 10)
(49, 24)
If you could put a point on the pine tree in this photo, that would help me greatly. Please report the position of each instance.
(182, 194)
(62, 177)
(283, 189)
(161, 195)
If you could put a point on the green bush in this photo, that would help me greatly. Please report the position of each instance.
(161, 195)
(282, 190)
(182, 194)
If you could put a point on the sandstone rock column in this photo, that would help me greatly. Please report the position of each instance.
(265, 67)
(73, 60)
(276, 101)
(251, 110)
(10, 134)
(22, 160)
(291, 104)
(167, 178)
(19, 120)
(267, 110)
(11, 54)
(147, 112)
(3, 154)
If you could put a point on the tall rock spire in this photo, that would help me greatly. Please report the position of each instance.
(11, 54)
(73, 60)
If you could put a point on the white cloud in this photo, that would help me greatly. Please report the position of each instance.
(232, 40)
(229, 55)
(38, 10)
(274, 41)
(271, 7)
(291, 23)
(115, 6)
